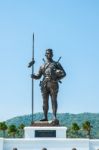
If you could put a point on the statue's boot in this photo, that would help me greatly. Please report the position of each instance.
(55, 121)
(45, 116)
(45, 119)
(54, 116)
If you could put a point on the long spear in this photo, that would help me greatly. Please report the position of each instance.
(31, 64)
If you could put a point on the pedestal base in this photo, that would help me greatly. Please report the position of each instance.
(46, 123)
(45, 132)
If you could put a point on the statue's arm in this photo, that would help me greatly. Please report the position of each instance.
(38, 75)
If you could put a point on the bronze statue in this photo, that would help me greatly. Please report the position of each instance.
(52, 73)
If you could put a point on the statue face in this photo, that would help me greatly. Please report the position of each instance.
(48, 55)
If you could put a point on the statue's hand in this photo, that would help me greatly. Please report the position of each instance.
(33, 76)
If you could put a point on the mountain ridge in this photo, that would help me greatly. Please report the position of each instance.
(65, 119)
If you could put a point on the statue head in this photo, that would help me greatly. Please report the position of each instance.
(49, 52)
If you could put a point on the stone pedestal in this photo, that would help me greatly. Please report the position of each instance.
(45, 132)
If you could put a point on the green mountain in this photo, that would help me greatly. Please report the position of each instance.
(65, 119)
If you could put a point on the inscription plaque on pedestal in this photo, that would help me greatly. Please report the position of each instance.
(45, 133)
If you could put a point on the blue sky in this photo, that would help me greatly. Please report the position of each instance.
(71, 29)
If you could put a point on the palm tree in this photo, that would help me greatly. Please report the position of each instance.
(87, 127)
(12, 130)
(3, 127)
(75, 127)
(21, 126)
(21, 129)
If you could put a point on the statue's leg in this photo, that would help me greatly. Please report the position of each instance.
(45, 105)
(45, 96)
(53, 93)
(54, 104)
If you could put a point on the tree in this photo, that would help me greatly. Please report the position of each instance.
(3, 127)
(87, 127)
(73, 130)
(21, 126)
(21, 130)
(12, 130)
(75, 127)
